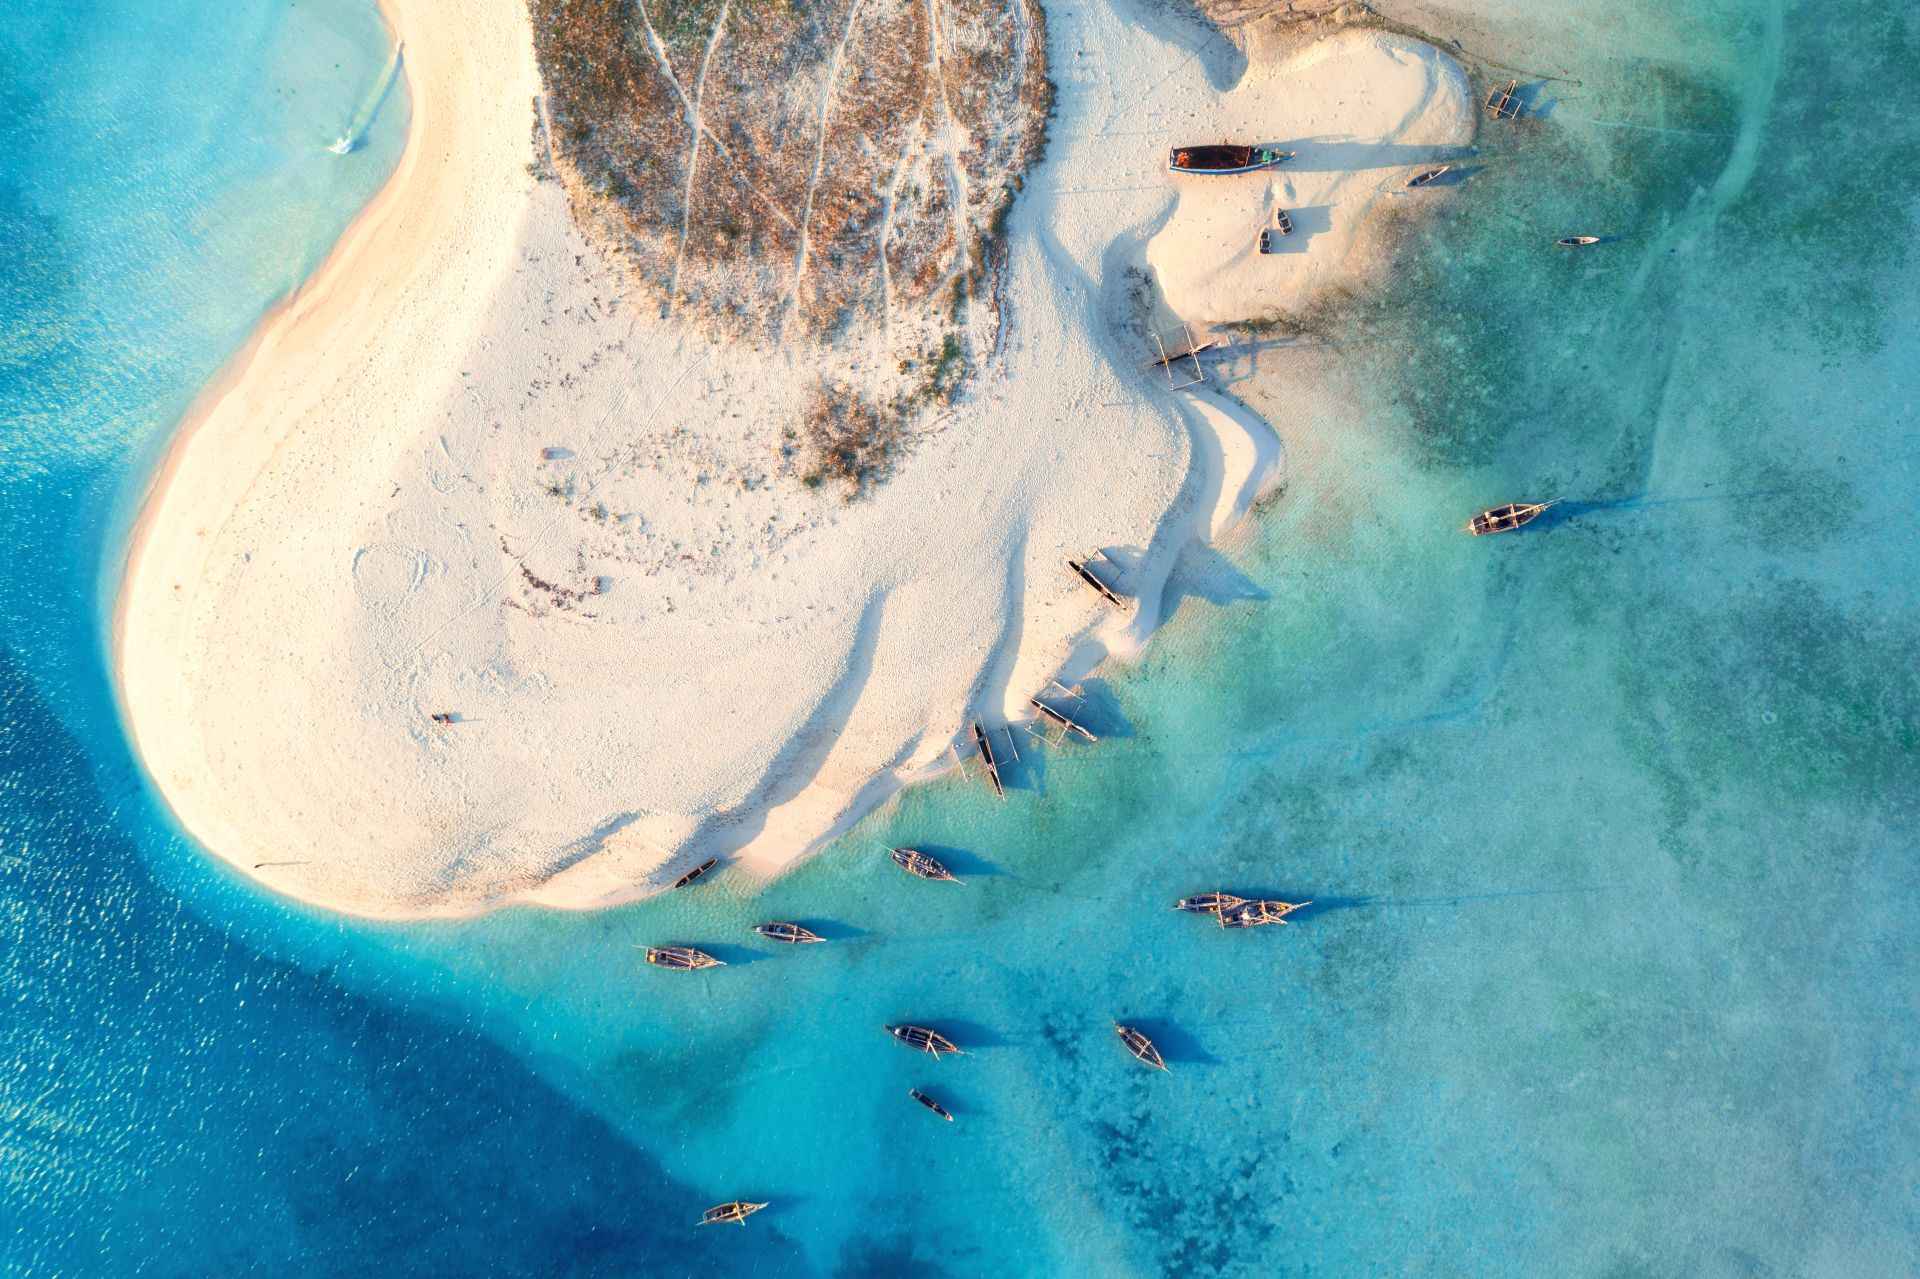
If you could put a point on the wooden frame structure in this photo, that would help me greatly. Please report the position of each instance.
(1190, 351)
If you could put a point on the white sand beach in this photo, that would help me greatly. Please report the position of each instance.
(464, 471)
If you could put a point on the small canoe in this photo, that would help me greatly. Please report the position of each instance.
(1423, 178)
(1226, 158)
(1504, 519)
(1577, 241)
(930, 1104)
(793, 934)
(696, 872)
(682, 958)
(736, 1212)
(1255, 914)
(917, 863)
(931, 1042)
(1140, 1046)
(1209, 903)
(984, 745)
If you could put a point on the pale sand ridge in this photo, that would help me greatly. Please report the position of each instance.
(659, 646)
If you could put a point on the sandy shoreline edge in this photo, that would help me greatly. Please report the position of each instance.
(857, 746)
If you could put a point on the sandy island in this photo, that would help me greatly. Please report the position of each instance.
(462, 471)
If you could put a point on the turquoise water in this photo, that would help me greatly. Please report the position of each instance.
(1608, 825)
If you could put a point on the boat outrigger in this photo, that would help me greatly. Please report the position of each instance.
(682, 958)
(1209, 903)
(917, 863)
(793, 934)
(736, 1212)
(1061, 720)
(1504, 519)
(1226, 158)
(1255, 914)
(930, 1104)
(1140, 1046)
(931, 1042)
(1500, 101)
(1423, 178)
(1577, 241)
(696, 872)
(985, 746)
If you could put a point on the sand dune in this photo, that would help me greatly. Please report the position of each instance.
(460, 473)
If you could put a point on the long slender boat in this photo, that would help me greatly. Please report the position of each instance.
(930, 1104)
(1066, 722)
(931, 1042)
(1504, 519)
(1226, 158)
(1140, 1046)
(696, 872)
(1428, 175)
(736, 1212)
(1254, 914)
(682, 958)
(1577, 241)
(793, 934)
(985, 745)
(917, 863)
(1087, 576)
(1209, 903)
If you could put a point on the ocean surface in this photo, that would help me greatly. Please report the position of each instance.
(1609, 825)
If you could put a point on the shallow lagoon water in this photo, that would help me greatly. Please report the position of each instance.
(1607, 824)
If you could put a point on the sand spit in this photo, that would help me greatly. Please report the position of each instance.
(459, 473)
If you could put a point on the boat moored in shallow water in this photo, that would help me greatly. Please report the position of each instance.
(1426, 176)
(930, 1104)
(1226, 158)
(1504, 519)
(793, 934)
(1209, 903)
(931, 1042)
(918, 864)
(1255, 914)
(1140, 1046)
(1577, 241)
(736, 1212)
(682, 958)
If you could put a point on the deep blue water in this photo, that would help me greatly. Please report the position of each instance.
(1609, 825)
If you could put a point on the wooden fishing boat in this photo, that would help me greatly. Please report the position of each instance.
(736, 1212)
(1086, 575)
(1140, 1046)
(930, 1104)
(441, 717)
(1503, 519)
(682, 958)
(931, 1042)
(985, 746)
(917, 863)
(1065, 722)
(793, 934)
(1282, 223)
(1577, 241)
(696, 872)
(1209, 903)
(1423, 178)
(1501, 104)
(1227, 158)
(1255, 914)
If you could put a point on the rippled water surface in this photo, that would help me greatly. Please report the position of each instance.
(1608, 825)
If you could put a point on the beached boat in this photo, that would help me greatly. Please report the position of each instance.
(1087, 575)
(1577, 241)
(793, 934)
(1502, 519)
(931, 1042)
(1224, 159)
(1423, 178)
(696, 872)
(1140, 1046)
(682, 958)
(930, 1104)
(1060, 719)
(917, 863)
(985, 746)
(1282, 223)
(1256, 914)
(1501, 104)
(736, 1212)
(1209, 903)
